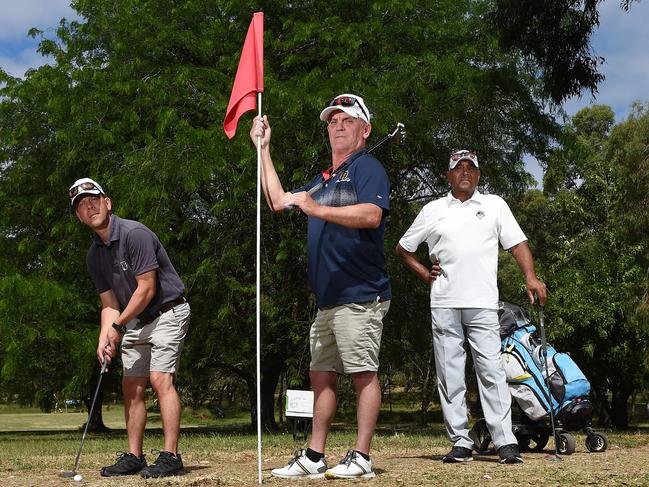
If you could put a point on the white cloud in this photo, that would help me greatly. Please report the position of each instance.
(20, 16)
(21, 61)
(17, 50)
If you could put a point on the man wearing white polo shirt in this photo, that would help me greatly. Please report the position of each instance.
(462, 231)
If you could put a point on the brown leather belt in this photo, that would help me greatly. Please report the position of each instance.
(169, 305)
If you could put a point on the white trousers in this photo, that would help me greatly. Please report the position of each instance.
(483, 333)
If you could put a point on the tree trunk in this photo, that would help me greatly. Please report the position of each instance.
(271, 371)
(250, 385)
(429, 383)
(619, 406)
(96, 420)
(281, 397)
(601, 405)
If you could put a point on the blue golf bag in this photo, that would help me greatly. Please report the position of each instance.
(566, 398)
(525, 369)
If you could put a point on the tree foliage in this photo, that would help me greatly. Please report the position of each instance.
(135, 95)
(555, 36)
(589, 233)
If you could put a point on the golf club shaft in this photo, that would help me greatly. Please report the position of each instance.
(92, 408)
(544, 352)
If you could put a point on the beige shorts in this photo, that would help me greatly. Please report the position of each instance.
(156, 346)
(347, 338)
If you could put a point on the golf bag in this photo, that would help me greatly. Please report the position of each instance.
(522, 357)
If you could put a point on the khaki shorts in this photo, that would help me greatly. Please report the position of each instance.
(155, 347)
(347, 338)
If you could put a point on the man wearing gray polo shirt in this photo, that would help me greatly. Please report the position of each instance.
(143, 307)
(462, 231)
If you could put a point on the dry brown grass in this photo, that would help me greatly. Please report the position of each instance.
(403, 459)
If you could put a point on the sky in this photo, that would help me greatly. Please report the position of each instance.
(622, 39)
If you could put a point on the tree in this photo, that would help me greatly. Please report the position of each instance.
(587, 233)
(555, 36)
(135, 95)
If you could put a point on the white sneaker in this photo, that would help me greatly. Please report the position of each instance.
(352, 466)
(301, 467)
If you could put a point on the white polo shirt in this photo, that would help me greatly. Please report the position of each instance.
(464, 236)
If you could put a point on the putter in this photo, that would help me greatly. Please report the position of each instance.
(73, 472)
(544, 354)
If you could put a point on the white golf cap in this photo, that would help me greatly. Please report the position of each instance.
(83, 186)
(350, 104)
(461, 155)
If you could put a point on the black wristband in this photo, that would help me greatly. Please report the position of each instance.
(120, 328)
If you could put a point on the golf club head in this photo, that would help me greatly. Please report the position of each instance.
(554, 458)
(67, 474)
(399, 133)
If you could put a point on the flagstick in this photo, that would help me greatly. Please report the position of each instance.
(258, 298)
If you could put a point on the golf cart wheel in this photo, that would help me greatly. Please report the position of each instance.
(481, 438)
(596, 442)
(533, 443)
(567, 444)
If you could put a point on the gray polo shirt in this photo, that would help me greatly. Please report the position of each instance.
(133, 249)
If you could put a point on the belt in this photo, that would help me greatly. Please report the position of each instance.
(169, 305)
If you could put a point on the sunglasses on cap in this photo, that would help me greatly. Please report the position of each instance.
(464, 154)
(347, 101)
(87, 186)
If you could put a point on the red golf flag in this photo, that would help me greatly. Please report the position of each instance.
(250, 76)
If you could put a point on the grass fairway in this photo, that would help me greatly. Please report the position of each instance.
(215, 456)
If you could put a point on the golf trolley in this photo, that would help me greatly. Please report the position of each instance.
(549, 391)
(533, 436)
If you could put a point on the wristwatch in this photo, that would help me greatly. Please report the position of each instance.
(120, 328)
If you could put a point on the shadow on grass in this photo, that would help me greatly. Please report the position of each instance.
(396, 424)
(232, 430)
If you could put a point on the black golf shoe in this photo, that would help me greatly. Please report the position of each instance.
(510, 454)
(458, 454)
(126, 464)
(166, 465)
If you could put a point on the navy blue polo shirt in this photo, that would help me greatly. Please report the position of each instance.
(132, 250)
(347, 265)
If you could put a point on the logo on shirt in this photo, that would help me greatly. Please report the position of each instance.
(479, 214)
(344, 177)
(124, 265)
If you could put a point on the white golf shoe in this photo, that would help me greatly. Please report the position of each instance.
(301, 467)
(350, 467)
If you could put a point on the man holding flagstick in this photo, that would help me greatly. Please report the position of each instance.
(346, 268)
